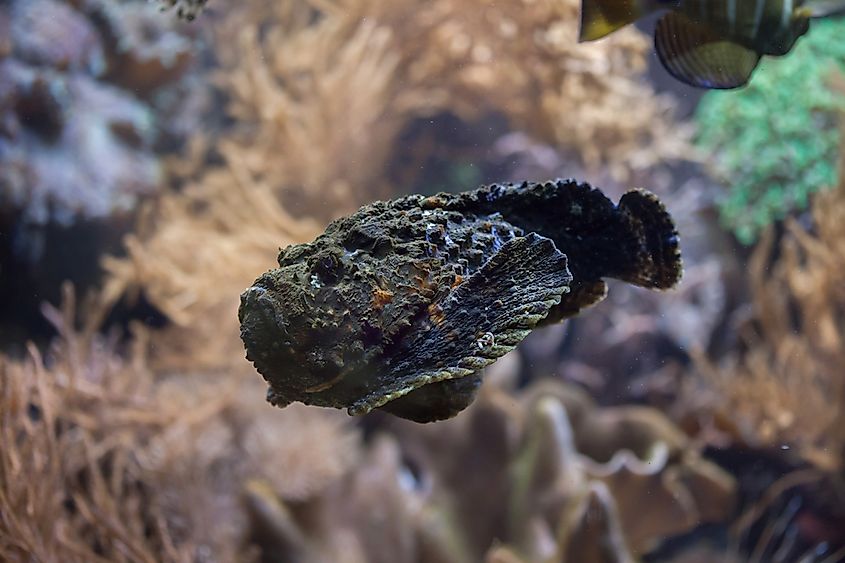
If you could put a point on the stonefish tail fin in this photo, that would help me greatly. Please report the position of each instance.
(654, 254)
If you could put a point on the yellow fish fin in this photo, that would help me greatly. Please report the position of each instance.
(821, 8)
(700, 57)
(602, 17)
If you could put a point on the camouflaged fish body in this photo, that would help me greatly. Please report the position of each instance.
(401, 304)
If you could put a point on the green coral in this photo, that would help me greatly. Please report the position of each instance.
(776, 141)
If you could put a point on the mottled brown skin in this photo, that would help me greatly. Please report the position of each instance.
(401, 304)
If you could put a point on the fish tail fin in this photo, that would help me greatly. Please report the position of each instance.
(699, 56)
(634, 241)
(602, 17)
(656, 258)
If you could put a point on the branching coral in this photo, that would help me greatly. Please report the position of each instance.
(336, 92)
(788, 388)
(104, 461)
(68, 480)
(790, 102)
(522, 59)
(194, 258)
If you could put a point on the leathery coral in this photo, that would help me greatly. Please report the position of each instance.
(93, 93)
(532, 494)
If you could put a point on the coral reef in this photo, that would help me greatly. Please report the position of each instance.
(787, 389)
(118, 462)
(153, 442)
(103, 460)
(788, 100)
(324, 73)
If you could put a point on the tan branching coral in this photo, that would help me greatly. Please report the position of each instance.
(194, 257)
(323, 102)
(788, 388)
(104, 461)
(68, 479)
(314, 103)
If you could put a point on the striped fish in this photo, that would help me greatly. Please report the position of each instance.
(711, 43)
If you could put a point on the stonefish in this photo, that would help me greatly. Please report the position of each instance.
(400, 305)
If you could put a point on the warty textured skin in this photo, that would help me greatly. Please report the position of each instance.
(400, 305)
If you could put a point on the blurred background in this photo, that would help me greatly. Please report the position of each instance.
(151, 168)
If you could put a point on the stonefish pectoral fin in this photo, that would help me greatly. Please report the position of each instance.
(480, 321)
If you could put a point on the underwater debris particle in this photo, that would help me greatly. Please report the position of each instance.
(414, 334)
